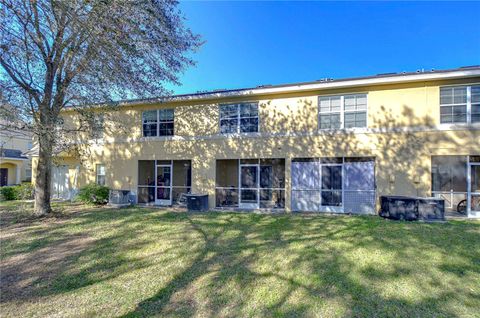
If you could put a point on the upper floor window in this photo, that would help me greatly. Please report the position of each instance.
(460, 104)
(158, 122)
(97, 126)
(330, 112)
(239, 118)
(342, 111)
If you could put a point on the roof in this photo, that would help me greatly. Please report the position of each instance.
(325, 83)
(11, 153)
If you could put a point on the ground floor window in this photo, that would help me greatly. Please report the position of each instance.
(333, 184)
(163, 182)
(456, 179)
(100, 174)
(250, 183)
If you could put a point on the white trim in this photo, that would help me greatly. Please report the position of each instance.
(469, 104)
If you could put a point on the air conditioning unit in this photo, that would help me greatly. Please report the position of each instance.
(120, 198)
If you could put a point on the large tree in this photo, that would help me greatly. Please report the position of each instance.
(73, 53)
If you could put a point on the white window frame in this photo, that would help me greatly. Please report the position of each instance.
(158, 123)
(355, 111)
(469, 105)
(342, 111)
(98, 128)
(330, 112)
(102, 175)
(238, 118)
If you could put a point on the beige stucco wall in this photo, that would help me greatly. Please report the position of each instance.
(407, 134)
(18, 141)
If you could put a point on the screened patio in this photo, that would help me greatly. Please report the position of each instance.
(250, 183)
(163, 182)
(337, 185)
(456, 179)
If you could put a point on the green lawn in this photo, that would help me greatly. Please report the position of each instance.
(139, 262)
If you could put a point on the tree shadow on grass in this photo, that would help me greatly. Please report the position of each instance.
(329, 270)
(230, 265)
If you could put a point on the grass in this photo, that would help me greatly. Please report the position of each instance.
(140, 262)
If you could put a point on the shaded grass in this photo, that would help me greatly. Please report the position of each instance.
(140, 262)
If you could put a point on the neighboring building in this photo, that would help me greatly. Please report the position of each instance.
(323, 146)
(15, 166)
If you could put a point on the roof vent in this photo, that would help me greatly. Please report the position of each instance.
(266, 85)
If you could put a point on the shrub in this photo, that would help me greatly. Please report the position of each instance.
(93, 194)
(9, 193)
(26, 191)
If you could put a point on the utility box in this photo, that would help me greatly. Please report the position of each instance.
(412, 208)
(197, 202)
(431, 208)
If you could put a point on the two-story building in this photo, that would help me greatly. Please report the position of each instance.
(322, 146)
(15, 166)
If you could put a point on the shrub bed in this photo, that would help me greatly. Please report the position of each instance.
(25, 191)
(9, 193)
(93, 194)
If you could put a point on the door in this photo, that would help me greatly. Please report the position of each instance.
(331, 188)
(474, 193)
(3, 177)
(60, 182)
(249, 180)
(164, 185)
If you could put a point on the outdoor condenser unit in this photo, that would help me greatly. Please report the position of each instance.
(120, 197)
(197, 202)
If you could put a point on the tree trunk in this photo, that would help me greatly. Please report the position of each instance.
(43, 175)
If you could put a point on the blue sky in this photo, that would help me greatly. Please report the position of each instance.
(254, 43)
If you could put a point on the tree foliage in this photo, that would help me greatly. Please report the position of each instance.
(78, 53)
